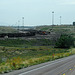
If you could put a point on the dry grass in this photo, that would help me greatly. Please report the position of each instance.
(18, 62)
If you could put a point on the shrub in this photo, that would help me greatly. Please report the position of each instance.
(65, 41)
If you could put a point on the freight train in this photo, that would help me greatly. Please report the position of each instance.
(16, 34)
(22, 34)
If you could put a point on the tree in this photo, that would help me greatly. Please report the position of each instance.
(65, 41)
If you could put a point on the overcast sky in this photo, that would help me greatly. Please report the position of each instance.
(37, 12)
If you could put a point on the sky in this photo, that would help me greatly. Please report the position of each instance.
(36, 12)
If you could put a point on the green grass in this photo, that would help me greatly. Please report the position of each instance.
(25, 43)
(7, 29)
(19, 53)
(17, 57)
(69, 29)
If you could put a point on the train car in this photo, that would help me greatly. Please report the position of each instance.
(3, 35)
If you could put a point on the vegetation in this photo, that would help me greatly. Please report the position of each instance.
(25, 43)
(65, 41)
(20, 53)
(61, 29)
(13, 58)
(7, 29)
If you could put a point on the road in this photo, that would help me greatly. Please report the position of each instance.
(64, 66)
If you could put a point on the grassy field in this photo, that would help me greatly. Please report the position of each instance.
(69, 29)
(7, 29)
(12, 58)
(55, 27)
(18, 53)
(25, 43)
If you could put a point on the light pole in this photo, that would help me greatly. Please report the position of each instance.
(60, 20)
(52, 17)
(23, 22)
(18, 25)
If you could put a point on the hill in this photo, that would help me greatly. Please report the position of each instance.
(68, 29)
(7, 29)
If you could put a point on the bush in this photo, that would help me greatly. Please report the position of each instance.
(65, 41)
